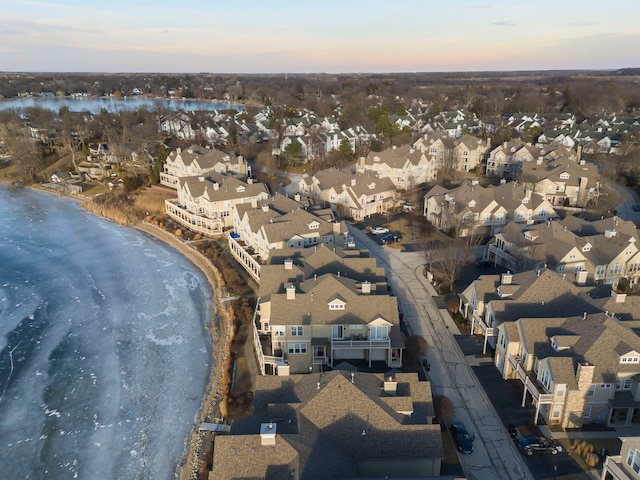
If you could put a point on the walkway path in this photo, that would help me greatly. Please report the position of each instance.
(495, 455)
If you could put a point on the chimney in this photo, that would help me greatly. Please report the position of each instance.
(353, 182)
(619, 296)
(288, 264)
(361, 162)
(539, 161)
(390, 386)
(268, 434)
(581, 277)
(265, 208)
(249, 181)
(297, 197)
(216, 186)
(201, 179)
(291, 292)
(178, 150)
(584, 375)
(506, 278)
(609, 233)
(336, 228)
(366, 288)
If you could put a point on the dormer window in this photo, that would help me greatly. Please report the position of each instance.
(472, 203)
(630, 358)
(564, 176)
(586, 248)
(372, 185)
(314, 225)
(240, 188)
(337, 304)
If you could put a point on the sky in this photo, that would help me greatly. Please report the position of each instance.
(328, 36)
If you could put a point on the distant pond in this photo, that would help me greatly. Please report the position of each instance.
(114, 105)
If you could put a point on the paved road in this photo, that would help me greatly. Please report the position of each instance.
(495, 456)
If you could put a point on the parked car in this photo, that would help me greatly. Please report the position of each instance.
(461, 437)
(484, 263)
(390, 237)
(379, 230)
(531, 445)
(636, 208)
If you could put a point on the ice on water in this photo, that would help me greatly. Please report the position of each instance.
(103, 345)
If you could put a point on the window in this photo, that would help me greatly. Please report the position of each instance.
(560, 389)
(616, 269)
(626, 384)
(592, 390)
(543, 212)
(336, 306)
(600, 269)
(633, 459)
(605, 386)
(629, 359)
(297, 348)
(297, 331)
(336, 332)
(561, 267)
(557, 410)
(587, 411)
(278, 331)
(378, 333)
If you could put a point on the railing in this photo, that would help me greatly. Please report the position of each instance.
(321, 360)
(272, 360)
(540, 398)
(365, 343)
(168, 180)
(612, 466)
(192, 221)
(250, 264)
(498, 252)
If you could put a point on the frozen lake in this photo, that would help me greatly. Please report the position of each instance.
(104, 352)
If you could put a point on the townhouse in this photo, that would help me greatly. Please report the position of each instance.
(503, 160)
(462, 153)
(350, 195)
(473, 209)
(578, 370)
(327, 319)
(280, 223)
(562, 180)
(405, 166)
(205, 203)
(492, 300)
(197, 161)
(602, 251)
(335, 424)
(625, 466)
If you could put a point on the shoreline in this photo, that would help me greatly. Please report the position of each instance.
(221, 334)
(220, 328)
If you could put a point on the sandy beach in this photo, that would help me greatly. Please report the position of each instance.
(220, 328)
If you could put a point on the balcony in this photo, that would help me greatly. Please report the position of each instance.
(529, 381)
(358, 343)
(613, 466)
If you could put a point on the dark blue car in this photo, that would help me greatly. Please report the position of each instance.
(390, 237)
(463, 440)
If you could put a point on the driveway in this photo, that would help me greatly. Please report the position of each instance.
(495, 455)
(506, 397)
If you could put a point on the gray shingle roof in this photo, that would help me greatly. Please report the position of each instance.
(322, 427)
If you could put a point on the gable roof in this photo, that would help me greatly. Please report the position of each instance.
(323, 417)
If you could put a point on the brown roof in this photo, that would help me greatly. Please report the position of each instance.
(320, 420)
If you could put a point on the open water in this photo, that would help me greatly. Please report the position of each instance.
(104, 352)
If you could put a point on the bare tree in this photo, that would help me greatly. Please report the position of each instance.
(23, 151)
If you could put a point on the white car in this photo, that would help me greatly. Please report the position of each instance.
(379, 230)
